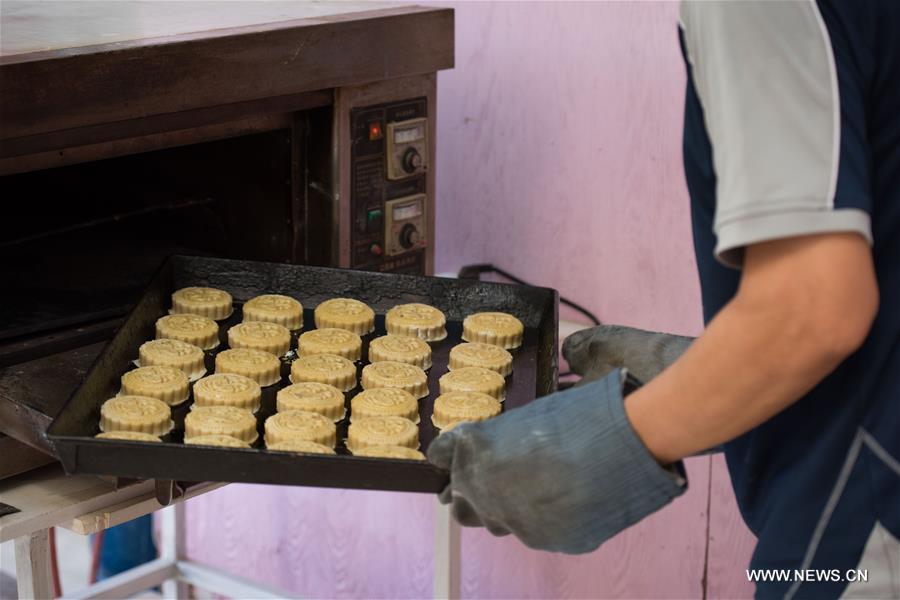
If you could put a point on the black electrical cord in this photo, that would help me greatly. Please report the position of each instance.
(474, 272)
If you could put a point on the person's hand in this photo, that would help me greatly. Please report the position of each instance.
(563, 473)
(593, 353)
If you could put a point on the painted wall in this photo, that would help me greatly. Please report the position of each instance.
(559, 160)
(559, 155)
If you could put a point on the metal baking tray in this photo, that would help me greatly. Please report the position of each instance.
(534, 374)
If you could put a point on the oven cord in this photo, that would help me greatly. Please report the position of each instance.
(474, 272)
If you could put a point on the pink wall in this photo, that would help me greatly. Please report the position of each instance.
(559, 155)
(559, 160)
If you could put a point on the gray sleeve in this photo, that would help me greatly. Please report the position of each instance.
(766, 78)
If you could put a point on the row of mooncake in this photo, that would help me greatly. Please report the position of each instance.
(411, 319)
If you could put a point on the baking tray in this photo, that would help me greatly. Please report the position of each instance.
(534, 374)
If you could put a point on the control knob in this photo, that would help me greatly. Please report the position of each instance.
(409, 236)
(412, 160)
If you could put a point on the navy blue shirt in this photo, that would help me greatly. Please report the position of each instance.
(792, 127)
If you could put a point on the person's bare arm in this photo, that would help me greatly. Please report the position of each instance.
(803, 306)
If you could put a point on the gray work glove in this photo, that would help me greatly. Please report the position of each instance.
(563, 473)
(594, 352)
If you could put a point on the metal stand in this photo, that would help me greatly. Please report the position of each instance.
(174, 573)
(33, 565)
(447, 557)
(173, 548)
(87, 505)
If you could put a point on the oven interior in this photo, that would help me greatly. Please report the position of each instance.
(79, 243)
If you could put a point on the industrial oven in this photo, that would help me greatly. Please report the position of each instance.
(281, 131)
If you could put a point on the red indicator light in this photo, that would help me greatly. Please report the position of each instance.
(375, 131)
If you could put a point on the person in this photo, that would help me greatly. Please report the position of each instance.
(124, 547)
(792, 159)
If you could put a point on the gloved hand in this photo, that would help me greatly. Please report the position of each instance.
(594, 352)
(563, 473)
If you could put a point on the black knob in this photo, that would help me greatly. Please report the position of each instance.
(412, 160)
(409, 236)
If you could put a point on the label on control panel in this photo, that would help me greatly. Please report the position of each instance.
(405, 212)
(411, 133)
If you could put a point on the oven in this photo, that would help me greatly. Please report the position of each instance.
(304, 135)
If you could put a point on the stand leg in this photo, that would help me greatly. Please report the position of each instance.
(173, 547)
(33, 565)
(446, 553)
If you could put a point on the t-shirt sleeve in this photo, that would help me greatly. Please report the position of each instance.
(785, 115)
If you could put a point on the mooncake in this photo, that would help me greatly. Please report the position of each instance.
(200, 331)
(381, 402)
(300, 425)
(204, 301)
(216, 439)
(228, 389)
(135, 436)
(474, 379)
(401, 348)
(416, 320)
(301, 446)
(325, 368)
(330, 340)
(497, 328)
(390, 452)
(382, 431)
(454, 407)
(172, 353)
(274, 308)
(345, 313)
(221, 420)
(260, 366)
(395, 375)
(476, 354)
(312, 396)
(142, 414)
(260, 335)
(169, 384)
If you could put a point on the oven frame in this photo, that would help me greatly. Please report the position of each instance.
(70, 105)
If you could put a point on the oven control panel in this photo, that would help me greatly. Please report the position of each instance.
(388, 187)
(404, 225)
